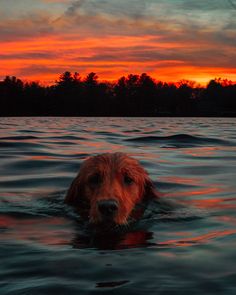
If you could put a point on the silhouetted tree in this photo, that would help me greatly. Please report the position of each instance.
(91, 80)
(134, 95)
(68, 92)
(167, 93)
(147, 102)
(185, 101)
(33, 98)
(220, 95)
(11, 96)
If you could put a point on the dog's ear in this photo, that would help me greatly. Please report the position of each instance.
(150, 191)
(74, 192)
(75, 197)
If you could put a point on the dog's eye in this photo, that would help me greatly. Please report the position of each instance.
(128, 180)
(95, 179)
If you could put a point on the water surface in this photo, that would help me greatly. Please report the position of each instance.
(43, 248)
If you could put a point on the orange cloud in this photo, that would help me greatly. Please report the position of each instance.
(44, 58)
(41, 45)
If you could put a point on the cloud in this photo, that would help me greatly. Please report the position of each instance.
(121, 8)
(135, 18)
(73, 8)
(28, 56)
(124, 18)
(117, 36)
(31, 25)
(56, 1)
(36, 69)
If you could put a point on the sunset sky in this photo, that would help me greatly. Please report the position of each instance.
(168, 39)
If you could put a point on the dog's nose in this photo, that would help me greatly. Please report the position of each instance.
(108, 208)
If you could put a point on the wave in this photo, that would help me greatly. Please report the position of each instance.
(69, 137)
(19, 144)
(181, 140)
(20, 137)
(108, 133)
(23, 207)
(29, 137)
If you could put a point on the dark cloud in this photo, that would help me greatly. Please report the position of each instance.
(51, 69)
(28, 56)
(164, 33)
(233, 5)
(124, 18)
(134, 8)
(36, 69)
(73, 8)
(138, 17)
(31, 25)
(203, 5)
(188, 56)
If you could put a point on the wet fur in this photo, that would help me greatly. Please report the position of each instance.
(112, 167)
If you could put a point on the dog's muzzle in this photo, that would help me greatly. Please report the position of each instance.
(107, 208)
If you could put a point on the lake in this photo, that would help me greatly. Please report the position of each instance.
(191, 248)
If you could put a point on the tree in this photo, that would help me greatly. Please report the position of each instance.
(147, 95)
(91, 80)
(65, 80)
(11, 96)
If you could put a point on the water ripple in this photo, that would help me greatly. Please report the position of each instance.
(181, 140)
(185, 241)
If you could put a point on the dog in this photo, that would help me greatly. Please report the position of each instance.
(109, 189)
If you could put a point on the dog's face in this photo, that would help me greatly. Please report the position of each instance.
(108, 187)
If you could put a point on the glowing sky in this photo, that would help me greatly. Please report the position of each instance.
(168, 39)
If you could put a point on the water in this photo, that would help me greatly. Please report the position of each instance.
(43, 249)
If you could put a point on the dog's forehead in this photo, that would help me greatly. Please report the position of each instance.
(117, 161)
(111, 164)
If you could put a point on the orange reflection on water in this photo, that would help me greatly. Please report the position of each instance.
(10, 221)
(217, 203)
(185, 242)
(40, 157)
(47, 231)
(196, 192)
(102, 146)
(6, 221)
(136, 239)
(201, 151)
(181, 180)
(228, 219)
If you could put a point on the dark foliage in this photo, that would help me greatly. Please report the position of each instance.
(134, 95)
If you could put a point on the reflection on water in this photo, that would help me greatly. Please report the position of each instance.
(185, 243)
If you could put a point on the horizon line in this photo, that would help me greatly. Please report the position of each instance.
(114, 80)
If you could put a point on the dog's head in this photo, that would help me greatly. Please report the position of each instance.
(108, 187)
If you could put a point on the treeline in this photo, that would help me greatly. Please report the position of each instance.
(134, 95)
